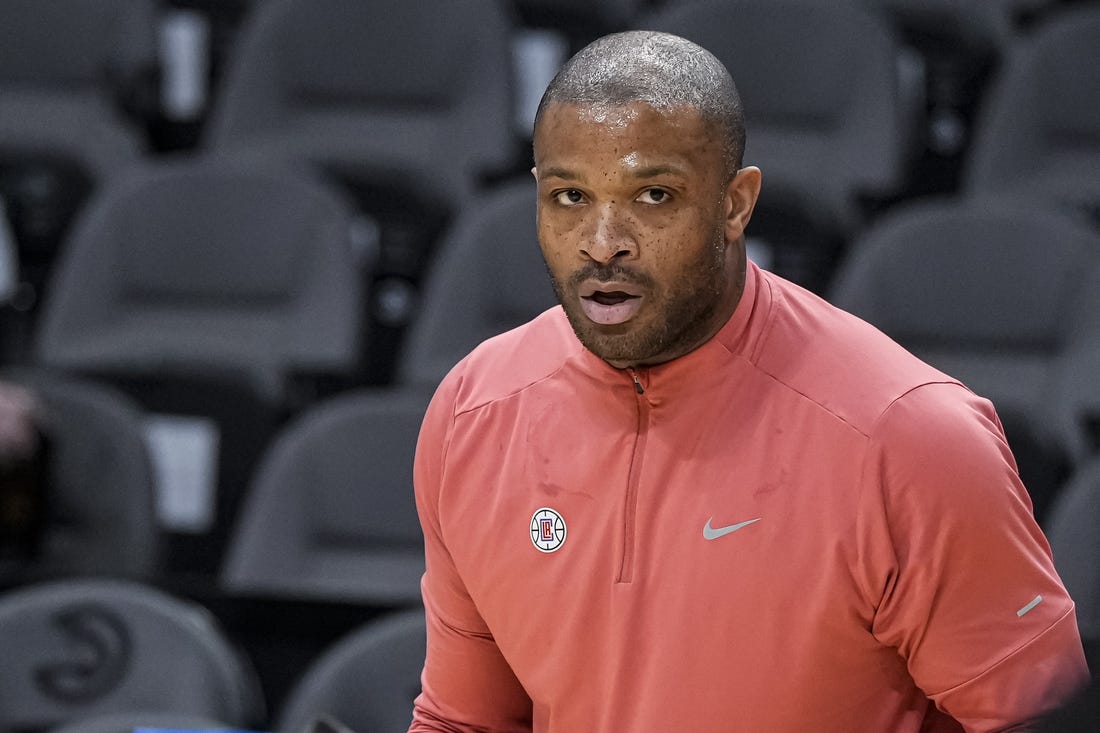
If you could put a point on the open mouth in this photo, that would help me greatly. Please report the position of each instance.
(609, 304)
(613, 297)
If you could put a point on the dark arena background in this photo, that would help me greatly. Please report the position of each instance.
(241, 241)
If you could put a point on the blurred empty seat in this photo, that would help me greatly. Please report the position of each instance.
(1076, 400)
(1043, 458)
(1039, 135)
(1073, 529)
(988, 292)
(199, 264)
(69, 71)
(407, 103)
(548, 32)
(488, 276)
(76, 78)
(95, 512)
(825, 121)
(74, 649)
(212, 291)
(984, 27)
(389, 86)
(330, 515)
(366, 680)
(960, 44)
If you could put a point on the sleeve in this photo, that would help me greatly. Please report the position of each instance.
(971, 599)
(466, 683)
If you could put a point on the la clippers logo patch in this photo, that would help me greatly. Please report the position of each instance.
(547, 530)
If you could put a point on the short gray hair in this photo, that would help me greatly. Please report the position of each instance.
(658, 69)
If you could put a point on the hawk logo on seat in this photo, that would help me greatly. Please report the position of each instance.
(97, 659)
(547, 530)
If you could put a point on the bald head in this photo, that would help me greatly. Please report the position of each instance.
(658, 69)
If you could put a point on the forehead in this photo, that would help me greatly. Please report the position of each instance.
(591, 131)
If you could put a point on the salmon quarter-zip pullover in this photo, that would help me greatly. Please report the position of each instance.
(798, 526)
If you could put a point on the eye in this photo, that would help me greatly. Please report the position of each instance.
(569, 197)
(654, 196)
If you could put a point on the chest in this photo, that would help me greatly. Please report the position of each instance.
(712, 502)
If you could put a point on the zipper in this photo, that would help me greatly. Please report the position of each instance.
(630, 509)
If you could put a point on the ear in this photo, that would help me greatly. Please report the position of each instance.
(535, 172)
(741, 195)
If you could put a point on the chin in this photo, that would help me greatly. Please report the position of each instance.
(620, 351)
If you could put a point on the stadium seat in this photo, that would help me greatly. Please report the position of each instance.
(989, 292)
(1039, 134)
(86, 647)
(390, 86)
(959, 45)
(209, 291)
(825, 121)
(77, 80)
(408, 104)
(366, 680)
(1073, 529)
(209, 263)
(488, 276)
(1076, 399)
(96, 512)
(330, 514)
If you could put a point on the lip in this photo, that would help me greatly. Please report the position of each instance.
(614, 313)
(590, 287)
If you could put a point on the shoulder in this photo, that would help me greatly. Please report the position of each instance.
(948, 442)
(511, 362)
(835, 359)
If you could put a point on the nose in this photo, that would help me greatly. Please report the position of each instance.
(611, 236)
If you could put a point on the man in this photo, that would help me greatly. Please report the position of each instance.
(698, 498)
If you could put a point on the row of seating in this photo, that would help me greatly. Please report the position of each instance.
(998, 293)
(389, 104)
(959, 282)
(97, 655)
(325, 514)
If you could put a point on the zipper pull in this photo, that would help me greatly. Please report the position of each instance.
(637, 384)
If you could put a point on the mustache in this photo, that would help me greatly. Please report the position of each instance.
(606, 272)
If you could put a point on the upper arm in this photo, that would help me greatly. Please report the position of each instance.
(973, 602)
(466, 684)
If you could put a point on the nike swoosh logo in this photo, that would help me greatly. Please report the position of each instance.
(711, 533)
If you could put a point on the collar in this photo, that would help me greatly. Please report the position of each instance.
(735, 338)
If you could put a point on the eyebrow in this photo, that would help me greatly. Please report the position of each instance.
(555, 172)
(651, 171)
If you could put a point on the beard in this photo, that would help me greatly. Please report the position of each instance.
(676, 317)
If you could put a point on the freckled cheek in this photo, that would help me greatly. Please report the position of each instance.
(557, 240)
(665, 245)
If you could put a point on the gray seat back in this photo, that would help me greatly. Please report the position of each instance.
(824, 115)
(79, 648)
(330, 514)
(388, 84)
(100, 507)
(366, 680)
(204, 263)
(488, 276)
(987, 291)
(1074, 533)
(1039, 135)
